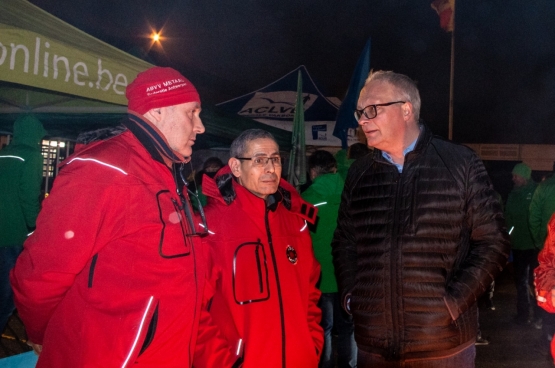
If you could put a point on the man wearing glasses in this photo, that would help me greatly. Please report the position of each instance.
(114, 274)
(262, 264)
(420, 236)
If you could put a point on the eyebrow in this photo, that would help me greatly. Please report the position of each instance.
(264, 154)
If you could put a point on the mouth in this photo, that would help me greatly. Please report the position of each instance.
(271, 180)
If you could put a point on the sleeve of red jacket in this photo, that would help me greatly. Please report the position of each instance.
(65, 240)
(314, 312)
(544, 274)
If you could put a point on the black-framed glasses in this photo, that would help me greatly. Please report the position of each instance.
(262, 161)
(370, 111)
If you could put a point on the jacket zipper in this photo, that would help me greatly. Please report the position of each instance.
(281, 314)
(191, 350)
(392, 271)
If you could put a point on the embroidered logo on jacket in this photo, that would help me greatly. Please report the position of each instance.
(291, 254)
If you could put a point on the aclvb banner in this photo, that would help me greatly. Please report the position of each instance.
(34, 60)
(275, 105)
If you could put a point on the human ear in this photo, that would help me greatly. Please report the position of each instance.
(235, 166)
(154, 115)
(407, 108)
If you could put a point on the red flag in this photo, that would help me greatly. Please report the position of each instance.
(446, 11)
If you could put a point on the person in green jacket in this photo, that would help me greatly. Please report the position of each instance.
(345, 157)
(325, 193)
(542, 208)
(525, 253)
(20, 182)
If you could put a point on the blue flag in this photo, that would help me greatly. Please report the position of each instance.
(345, 116)
(297, 158)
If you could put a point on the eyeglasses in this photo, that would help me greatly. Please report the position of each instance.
(370, 111)
(262, 161)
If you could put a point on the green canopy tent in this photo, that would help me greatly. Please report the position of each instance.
(74, 82)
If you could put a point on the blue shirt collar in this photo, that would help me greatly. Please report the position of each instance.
(399, 167)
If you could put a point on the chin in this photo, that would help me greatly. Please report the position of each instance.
(186, 152)
(271, 191)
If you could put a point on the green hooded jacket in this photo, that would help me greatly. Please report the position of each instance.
(325, 193)
(542, 208)
(517, 215)
(343, 163)
(20, 181)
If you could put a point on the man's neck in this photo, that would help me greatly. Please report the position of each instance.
(398, 155)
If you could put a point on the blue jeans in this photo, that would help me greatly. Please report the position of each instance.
(8, 256)
(334, 317)
(463, 359)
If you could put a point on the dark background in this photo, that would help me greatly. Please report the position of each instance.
(504, 63)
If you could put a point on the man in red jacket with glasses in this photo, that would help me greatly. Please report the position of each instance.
(262, 263)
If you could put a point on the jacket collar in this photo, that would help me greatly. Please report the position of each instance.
(153, 140)
(225, 188)
(422, 142)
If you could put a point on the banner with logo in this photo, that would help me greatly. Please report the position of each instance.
(39, 50)
(34, 60)
(275, 105)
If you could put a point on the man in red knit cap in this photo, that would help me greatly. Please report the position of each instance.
(113, 276)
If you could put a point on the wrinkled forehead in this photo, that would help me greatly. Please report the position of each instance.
(376, 92)
(262, 147)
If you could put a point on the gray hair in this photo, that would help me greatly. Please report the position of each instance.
(239, 144)
(403, 85)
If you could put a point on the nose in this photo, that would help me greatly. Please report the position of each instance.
(199, 127)
(269, 167)
(363, 119)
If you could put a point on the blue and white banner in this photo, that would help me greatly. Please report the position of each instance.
(275, 105)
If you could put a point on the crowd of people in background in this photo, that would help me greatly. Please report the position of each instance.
(378, 262)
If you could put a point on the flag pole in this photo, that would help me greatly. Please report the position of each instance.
(452, 77)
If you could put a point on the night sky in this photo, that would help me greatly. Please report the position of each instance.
(504, 63)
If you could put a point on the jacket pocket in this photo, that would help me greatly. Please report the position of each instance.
(250, 274)
(151, 331)
(175, 234)
(138, 325)
(91, 270)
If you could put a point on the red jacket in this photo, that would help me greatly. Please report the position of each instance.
(109, 278)
(544, 274)
(265, 274)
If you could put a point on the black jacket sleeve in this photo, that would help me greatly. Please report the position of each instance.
(487, 239)
(344, 243)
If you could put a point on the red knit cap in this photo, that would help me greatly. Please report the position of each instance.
(159, 87)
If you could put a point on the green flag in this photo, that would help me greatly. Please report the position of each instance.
(297, 158)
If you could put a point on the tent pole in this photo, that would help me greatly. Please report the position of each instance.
(452, 78)
(57, 158)
(47, 168)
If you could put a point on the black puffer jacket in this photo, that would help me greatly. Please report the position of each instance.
(414, 250)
